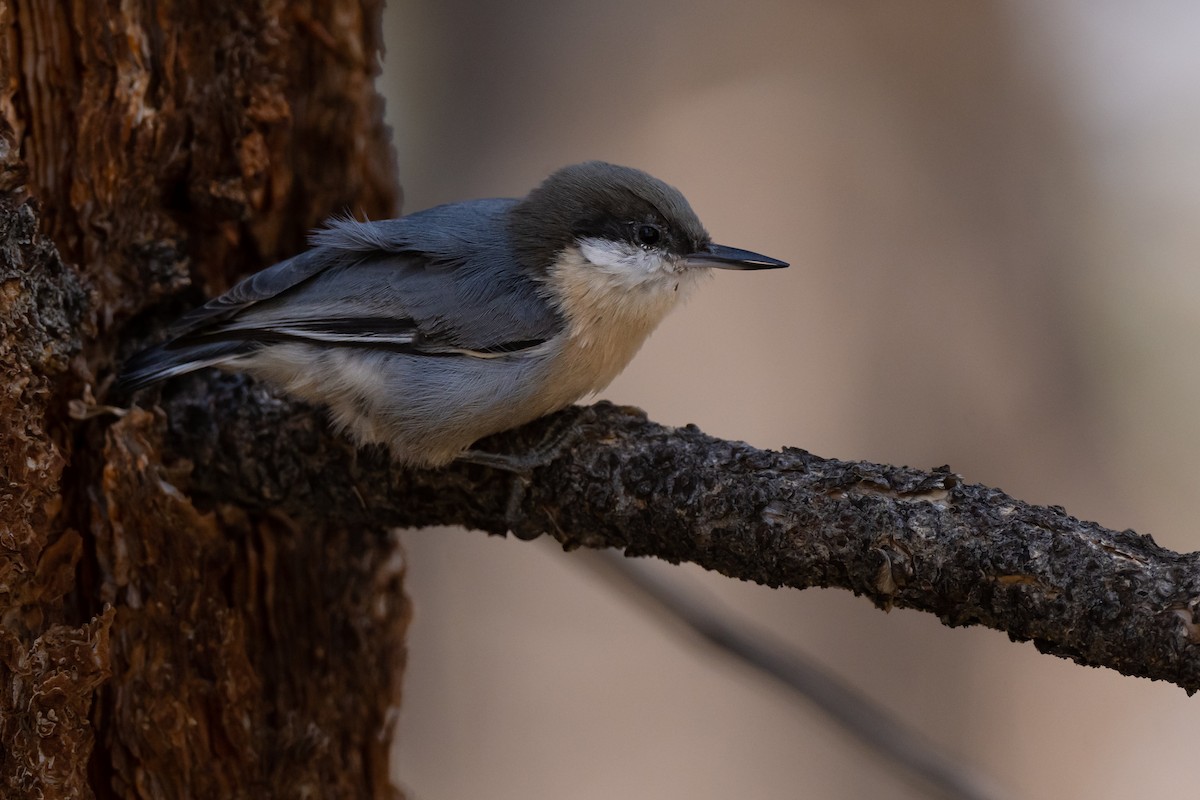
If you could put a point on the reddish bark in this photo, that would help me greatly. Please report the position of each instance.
(150, 154)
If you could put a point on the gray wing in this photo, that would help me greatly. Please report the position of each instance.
(446, 237)
(436, 283)
(402, 302)
(262, 285)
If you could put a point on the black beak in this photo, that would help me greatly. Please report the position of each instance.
(721, 257)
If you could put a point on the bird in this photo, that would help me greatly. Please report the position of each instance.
(428, 332)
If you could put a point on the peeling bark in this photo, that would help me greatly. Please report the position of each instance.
(51, 659)
(258, 656)
(150, 154)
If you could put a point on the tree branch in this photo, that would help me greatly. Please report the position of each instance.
(902, 537)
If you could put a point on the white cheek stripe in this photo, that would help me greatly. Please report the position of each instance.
(624, 258)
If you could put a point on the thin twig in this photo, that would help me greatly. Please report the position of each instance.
(855, 713)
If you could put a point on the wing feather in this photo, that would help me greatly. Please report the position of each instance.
(438, 282)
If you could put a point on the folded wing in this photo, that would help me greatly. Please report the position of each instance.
(436, 283)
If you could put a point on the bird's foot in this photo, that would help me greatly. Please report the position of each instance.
(558, 437)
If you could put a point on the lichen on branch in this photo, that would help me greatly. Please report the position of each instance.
(902, 537)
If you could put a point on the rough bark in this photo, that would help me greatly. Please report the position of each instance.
(202, 601)
(150, 153)
(902, 537)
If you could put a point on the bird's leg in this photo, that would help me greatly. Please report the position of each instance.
(552, 445)
(522, 465)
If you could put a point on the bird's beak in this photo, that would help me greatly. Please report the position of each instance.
(720, 257)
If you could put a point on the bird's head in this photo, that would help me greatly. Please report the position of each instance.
(627, 224)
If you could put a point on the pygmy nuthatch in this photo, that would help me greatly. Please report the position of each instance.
(431, 331)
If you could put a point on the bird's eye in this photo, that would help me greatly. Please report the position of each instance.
(648, 235)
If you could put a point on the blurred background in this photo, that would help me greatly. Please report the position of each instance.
(993, 213)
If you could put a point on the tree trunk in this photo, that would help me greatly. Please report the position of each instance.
(150, 153)
(156, 646)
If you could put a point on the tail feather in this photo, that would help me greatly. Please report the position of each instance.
(168, 360)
